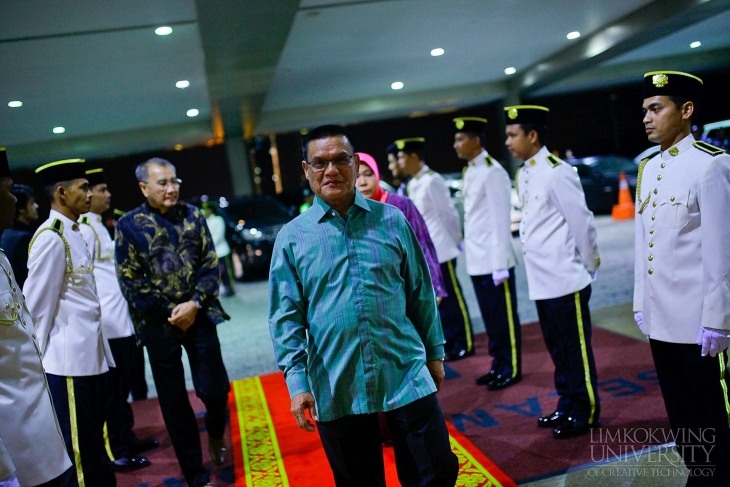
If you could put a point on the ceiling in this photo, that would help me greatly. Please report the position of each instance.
(98, 69)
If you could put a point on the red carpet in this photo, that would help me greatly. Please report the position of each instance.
(502, 424)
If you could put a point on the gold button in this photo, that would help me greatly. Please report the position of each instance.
(651, 244)
(653, 217)
(656, 191)
(659, 178)
(33, 335)
(664, 164)
(532, 162)
(671, 199)
(651, 232)
(526, 181)
(654, 204)
(651, 257)
(524, 252)
(14, 289)
(651, 271)
(7, 305)
(17, 305)
(523, 241)
(673, 151)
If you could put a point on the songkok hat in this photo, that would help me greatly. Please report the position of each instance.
(672, 83)
(391, 149)
(526, 114)
(370, 161)
(4, 166)
(95, 176)
(470, 124)
(65, 170)
(414, 144)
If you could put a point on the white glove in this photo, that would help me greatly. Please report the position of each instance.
(461, 246)
(713, 340)
(500, 276)
(11, 481)
(639, 319)
(594, 276)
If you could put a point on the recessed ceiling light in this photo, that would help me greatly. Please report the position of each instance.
(178, 147)
(193, 112)
(58, 130)
(15, 104)
(437, 52)
(695, 44)
(163, 31)
(573, 35)
(182, 83)
(510, 70)
(397, 85)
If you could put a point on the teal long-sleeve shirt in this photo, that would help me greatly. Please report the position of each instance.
(352, 311)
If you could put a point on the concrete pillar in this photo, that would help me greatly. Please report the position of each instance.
(239, 166)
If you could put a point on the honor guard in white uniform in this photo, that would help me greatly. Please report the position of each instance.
(32, 451)
(122, 444)
(558, 236)
(62, 299)
(681, 286)
(432, 198)
(490, 258)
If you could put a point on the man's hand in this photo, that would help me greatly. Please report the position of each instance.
(11, 481)
(436, 369)
(183, 315)
(299, 404)
(713, 341)
(594, 276)
(500, 276)
(438, 301)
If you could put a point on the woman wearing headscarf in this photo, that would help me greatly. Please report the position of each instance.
(368, 183)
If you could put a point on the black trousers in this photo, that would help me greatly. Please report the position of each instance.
(566, 328)
(454, 313)
(423, 455)
(79, 406)
(118, 384)
(695, 391)
(225, 266)
(139, 382)
(164, 347)
(498, 305)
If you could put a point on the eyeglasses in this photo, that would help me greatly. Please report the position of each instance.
(163, 183)
(340, 162)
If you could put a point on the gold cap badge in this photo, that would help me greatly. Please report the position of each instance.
(512, 113)
(660, 80)
(459, 123)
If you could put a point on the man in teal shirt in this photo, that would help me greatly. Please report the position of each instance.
(356, 330)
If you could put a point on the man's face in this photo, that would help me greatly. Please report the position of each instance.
(336, 184)
(367, 183)
(393, 166)
(31, 210)
(518, 143)
(77, 196)
(7, 203)
(408, 164)
(162, 188)
(101, 198)
(663, 121)
(466, 147)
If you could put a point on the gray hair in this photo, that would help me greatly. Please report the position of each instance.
(142, 172)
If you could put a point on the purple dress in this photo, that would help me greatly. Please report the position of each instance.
(419, 228)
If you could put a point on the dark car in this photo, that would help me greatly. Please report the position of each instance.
(255, 222)
(599, 178)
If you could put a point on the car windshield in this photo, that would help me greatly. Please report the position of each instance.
(610, 164)
(258, 209)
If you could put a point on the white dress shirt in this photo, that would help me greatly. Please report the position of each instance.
(557, 231)
(486, 192)
(31, 444)
(429, 193)
(115, 319)
(217, 227)
(683, 243)
(62, 299)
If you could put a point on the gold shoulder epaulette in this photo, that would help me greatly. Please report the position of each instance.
(553, 161)
(430, 171)
(57, 225)
(709, 148)
(489, 161)
(85, 220)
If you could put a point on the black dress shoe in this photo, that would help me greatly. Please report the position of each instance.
(141, 446)
(552, 420)
(501, 381)
(572, 427)
(458, 355)
(485, 379)
(129, 464)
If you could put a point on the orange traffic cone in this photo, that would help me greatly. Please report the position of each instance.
(624, 210)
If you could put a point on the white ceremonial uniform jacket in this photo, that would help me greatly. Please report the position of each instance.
(682, 267)
(31, 444)
(486, 192)
(115, 319)
(557, 231)
(429, 193)
(217, 226)
(61, 296)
